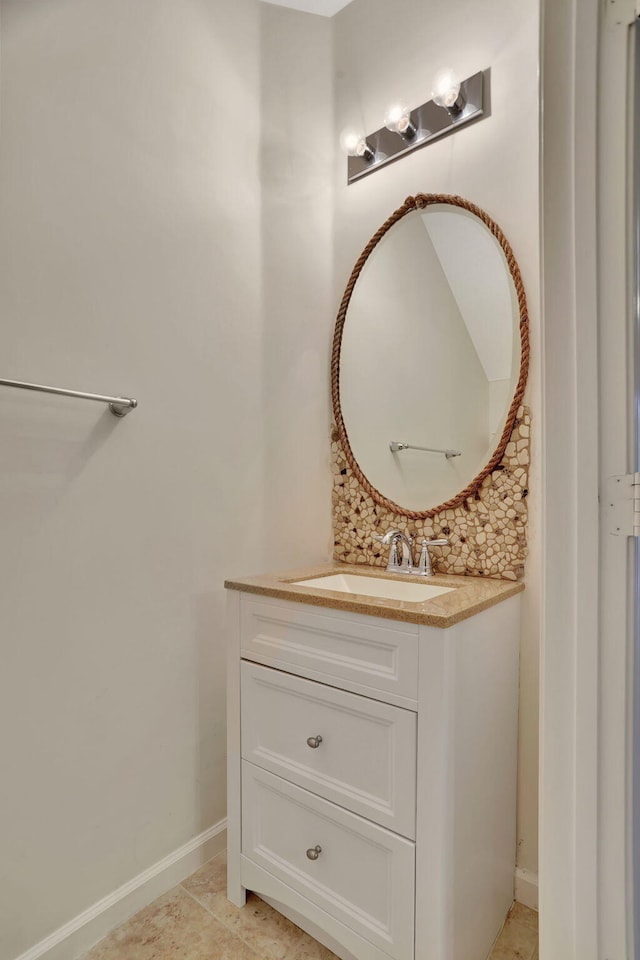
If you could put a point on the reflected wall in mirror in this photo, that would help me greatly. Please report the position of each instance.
(430, 351)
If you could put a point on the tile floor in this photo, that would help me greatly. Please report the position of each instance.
(195, 921)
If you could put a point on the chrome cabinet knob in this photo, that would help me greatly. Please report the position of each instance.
(314, 742)
(314, 852)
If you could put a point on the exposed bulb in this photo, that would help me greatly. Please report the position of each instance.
(398, 120)
(350, 142)
(354, 144)
(446, 91)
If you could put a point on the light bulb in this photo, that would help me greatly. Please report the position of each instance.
(354, 144)
(398, 120)
(446, 92)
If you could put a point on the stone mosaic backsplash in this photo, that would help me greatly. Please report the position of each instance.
(487, 533)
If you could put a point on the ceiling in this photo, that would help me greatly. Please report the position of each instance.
(325, 8)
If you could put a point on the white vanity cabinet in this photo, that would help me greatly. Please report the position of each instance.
(372, 774)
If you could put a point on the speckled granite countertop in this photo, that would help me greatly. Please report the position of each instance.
(469, 596)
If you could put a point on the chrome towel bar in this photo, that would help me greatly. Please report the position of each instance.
(119, 406)
(396, 445)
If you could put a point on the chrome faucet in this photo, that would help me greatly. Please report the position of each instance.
(405, 565)
(391, 539)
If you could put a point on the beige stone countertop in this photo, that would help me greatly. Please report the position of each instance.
(470, 595)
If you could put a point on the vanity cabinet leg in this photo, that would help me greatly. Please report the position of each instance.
(236, 893)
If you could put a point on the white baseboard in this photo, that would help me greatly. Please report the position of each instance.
(80, 934)
(526, 887)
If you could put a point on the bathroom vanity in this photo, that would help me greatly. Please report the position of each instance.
(373, 720)
(372, 759)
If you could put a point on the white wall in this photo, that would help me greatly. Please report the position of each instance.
(131, 261)
(297, 248)
(388, 51)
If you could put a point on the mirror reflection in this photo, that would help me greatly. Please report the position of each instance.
(430, 356)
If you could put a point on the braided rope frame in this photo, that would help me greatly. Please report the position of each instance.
(419, 202)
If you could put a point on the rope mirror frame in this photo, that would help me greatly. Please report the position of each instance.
(420, 202)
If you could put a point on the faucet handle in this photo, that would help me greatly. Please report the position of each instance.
(425, 567)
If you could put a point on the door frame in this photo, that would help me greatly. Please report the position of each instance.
(585, 785)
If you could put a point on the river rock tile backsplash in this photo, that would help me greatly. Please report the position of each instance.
(487, 533)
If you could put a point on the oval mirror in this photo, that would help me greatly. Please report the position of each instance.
(430, 355)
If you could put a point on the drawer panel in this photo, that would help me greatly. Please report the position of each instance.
(354, 652)
(363, 875)
(366, 760)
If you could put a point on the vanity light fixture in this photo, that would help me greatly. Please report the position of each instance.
(446, 92)
(397, 119)
(405, 129)
(354, 144)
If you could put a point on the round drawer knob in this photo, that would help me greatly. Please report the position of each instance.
(314, 742)
(314, 852)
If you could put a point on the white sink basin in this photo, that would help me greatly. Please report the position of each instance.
(375, 587)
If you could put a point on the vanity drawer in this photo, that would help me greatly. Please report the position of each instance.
(366, 760)
(363, 654)
(363, 875)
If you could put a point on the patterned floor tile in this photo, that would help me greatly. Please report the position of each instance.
(195, 921)
(524, 915)
(516, 942)
(175, 926)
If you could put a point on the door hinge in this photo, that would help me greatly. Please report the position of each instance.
(623, 505)
(621, 13)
